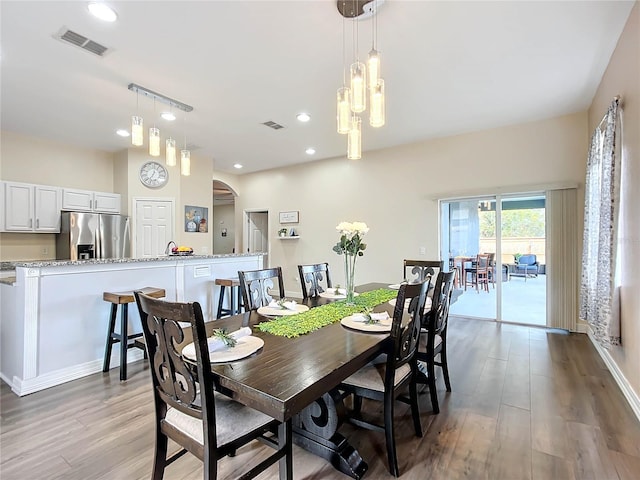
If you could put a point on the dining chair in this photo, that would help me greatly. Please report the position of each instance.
(491, 269)
(416, 271)
(433, 337)
(188, 411)
(386, 381)
(314, 275)
(257, 286)
(478, 273)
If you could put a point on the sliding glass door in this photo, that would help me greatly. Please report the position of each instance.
(508, 232)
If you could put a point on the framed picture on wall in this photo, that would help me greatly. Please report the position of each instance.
(289, 217)
(196, 219)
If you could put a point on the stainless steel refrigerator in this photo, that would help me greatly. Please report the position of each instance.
(93, 235)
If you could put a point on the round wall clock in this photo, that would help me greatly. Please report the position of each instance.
(153, 175)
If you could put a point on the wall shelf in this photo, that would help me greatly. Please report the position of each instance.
(290, 237)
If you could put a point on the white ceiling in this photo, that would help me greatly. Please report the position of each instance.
(449, 67)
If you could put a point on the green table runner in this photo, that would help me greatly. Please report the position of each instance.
(292, 326)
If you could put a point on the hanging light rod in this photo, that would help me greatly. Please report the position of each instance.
(358, 8)
(160, 98)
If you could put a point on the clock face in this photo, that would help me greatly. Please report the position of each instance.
(153, 175)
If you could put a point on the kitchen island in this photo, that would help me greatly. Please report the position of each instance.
(53, 320)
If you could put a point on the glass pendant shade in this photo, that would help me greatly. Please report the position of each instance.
(185, 162)
(373, 67)
(136, 131)
(154, 142)
(354, 139)
(358, 87)
(376, 114)
(170, 152)
(344, 110)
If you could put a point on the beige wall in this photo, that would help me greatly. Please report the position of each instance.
(34, 160)
(622, 77)
(395, 192)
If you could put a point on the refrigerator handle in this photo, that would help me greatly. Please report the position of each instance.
(98, 236)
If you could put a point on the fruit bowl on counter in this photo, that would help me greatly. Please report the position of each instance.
(182, 251)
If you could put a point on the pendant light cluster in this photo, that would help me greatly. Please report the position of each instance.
(352, 99)
(137, 129)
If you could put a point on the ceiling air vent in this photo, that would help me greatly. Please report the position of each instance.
(274, 125)
(69, 36)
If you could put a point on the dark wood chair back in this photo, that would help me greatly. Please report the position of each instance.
(175, 384)
(416, 271)
(435, 320)
(404, 338)
(314, 275)
(256, 286)
(434, 325)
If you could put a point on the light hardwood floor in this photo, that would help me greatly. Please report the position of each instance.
(527, 403)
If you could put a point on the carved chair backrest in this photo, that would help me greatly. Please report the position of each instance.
(435, 320)
(256, 286)
(403, 340)
(416, 271)
(176, 383)
(314, 275)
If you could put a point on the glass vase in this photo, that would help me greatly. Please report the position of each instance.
(349, 276)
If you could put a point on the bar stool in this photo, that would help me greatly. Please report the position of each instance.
(124, 299)
(235, 296)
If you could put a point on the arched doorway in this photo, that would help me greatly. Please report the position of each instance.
(223, 224)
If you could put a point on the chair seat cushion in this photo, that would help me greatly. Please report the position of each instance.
(233, 420)
(371, 376)
(423, 338)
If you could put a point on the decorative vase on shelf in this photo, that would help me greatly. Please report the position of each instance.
(352, 247)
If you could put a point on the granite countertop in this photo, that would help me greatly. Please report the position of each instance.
(99, 261)
(8, 280)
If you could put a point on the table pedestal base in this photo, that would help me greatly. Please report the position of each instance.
(315, 430)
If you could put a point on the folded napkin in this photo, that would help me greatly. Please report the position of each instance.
(376, 317)
(215, 343)
(379, 316)
(289, 305)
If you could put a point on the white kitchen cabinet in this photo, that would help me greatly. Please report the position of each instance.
(31, 208)
(88, 201)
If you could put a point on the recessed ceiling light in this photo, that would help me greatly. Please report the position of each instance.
(122, 132)
(169, 116)
(303, 117)
(237, 165)
(310, 151)
(102, 11)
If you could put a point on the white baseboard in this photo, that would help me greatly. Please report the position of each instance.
(628, 392)
(582, 328)
(24, 387)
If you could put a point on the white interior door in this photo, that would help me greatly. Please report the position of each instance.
(257, 233)
(154, 226)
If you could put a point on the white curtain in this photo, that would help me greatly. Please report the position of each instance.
(598, 306)
(561, 209)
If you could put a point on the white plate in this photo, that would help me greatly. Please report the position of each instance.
(245, 347)
(329, 294)
(356, 322)
(427, 303)
(273, 312)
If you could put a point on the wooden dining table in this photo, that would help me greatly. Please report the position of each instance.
(297, 379)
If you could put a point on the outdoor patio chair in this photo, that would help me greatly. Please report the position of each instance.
(527, 265)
